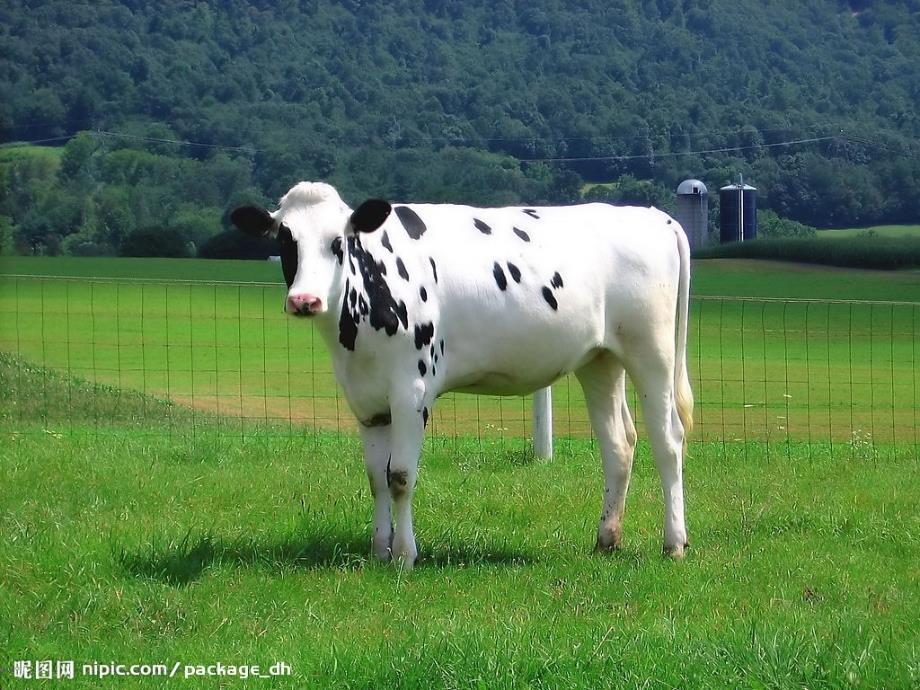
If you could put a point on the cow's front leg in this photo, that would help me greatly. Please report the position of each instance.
(407, 434)
(376, 456)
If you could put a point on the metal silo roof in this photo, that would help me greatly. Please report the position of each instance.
(692, 187)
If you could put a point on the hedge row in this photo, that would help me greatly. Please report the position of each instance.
(854, 252)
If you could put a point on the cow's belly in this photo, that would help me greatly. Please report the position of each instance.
(518, 361)
(508, 383)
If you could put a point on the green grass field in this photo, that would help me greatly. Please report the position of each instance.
(763, 370)
(149, 545)
(175, 491)
(912, 231)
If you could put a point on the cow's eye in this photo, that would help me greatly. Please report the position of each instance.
(288, 251)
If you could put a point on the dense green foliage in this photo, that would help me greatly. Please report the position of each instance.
(483, 102)
(861, 251)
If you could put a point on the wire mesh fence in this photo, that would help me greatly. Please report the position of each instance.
(93, 354)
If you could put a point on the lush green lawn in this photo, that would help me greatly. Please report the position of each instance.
(134, 540)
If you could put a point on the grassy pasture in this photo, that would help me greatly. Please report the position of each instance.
(145, 543)
(761, 370)
(135, 529)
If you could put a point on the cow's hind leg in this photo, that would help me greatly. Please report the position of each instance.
(654, 379)
(604, 383)
(376, 456)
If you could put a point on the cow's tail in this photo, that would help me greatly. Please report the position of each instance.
(682, 390)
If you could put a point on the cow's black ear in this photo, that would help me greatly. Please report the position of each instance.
(253, 220)
(370, 215)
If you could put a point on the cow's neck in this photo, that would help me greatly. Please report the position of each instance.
(363, 300)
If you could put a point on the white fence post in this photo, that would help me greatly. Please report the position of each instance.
(543, 423)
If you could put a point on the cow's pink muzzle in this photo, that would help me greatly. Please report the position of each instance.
(304, 305)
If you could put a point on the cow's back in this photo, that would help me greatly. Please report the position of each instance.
(525, 295)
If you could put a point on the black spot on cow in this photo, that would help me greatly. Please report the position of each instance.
(436, 359)
(353, 298)
(425, 416)
(336, 248)
(550, 299)
(384, 312)
(532, 213)
(380, 419)
(431, 351)
(523, 235)
(351, 254)
(287, 248)
(385, 241)
(423, 334)
(499, 274)
(397, 480)
(669, 221)
(515, 272)
(348, 328)
(401, 268)
(482, 227)
(422, 369)
(423, 293)
(362, 305)
(434, 269)
(434, 371)
(442, 346)
(415, 226)
(556, 282)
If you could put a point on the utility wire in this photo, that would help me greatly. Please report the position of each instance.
(561, 159)
(154, 140)
(670, 154)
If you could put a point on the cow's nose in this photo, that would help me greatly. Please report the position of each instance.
(303, 305)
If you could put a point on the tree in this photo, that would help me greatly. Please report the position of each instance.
(75, 159)
(154, 242)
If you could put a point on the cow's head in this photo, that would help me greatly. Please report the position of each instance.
(312, 225)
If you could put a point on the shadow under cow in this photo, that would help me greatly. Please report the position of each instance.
(182, 563)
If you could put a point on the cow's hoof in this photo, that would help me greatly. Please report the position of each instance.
(606, 548)
(383, 549)
(608, 542)
(406, 562)
(676, 551)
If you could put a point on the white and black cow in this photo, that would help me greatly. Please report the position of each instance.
(415, 300)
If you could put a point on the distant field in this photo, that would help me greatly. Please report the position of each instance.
(49, 153)
(722, 277)
(760, 369)
(912, 231)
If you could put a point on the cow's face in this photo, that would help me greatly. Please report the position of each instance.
(311, 243)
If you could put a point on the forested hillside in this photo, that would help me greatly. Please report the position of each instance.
(165, 114)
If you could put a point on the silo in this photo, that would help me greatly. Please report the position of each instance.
(737, 213)
(693, 212)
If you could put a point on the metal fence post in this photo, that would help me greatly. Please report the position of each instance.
(543, 423)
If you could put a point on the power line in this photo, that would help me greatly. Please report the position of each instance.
(560, 159)
(671, 154)
(33, 142)
(155, 140)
